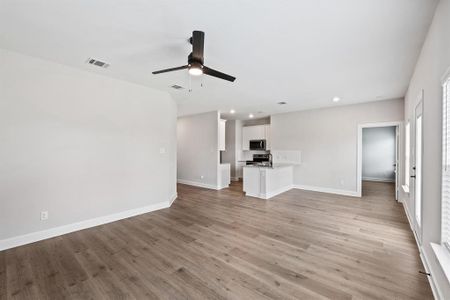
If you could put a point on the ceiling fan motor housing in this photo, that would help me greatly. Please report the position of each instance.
(192, 60)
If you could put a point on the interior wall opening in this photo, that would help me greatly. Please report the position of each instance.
(380, 159)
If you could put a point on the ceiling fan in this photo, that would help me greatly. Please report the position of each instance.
(196, 60)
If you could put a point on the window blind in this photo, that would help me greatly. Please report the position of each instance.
(445, 164)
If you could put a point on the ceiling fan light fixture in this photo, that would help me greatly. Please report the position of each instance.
(195, 69)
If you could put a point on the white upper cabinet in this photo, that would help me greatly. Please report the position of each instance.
(222, 134)
(258, 132)
(245, 138)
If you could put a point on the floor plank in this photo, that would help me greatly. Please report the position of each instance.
(223, 245)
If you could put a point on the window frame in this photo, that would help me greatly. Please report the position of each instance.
(442, 250)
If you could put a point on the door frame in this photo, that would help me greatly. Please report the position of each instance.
(417, 228)
(399, 154)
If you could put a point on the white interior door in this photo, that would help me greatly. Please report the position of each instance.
(416, 172)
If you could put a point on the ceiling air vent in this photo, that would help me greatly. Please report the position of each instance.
(176, 86)
(97, 63)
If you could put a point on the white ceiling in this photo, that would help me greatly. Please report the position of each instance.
(303, 52)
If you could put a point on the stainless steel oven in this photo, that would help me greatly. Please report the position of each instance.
(259, 159)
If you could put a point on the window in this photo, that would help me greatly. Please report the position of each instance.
(445, 163)
(407, 150)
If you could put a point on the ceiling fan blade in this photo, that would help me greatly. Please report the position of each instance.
(214, 73)
(171, 69)
(198, 43)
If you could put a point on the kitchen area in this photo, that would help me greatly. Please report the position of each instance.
(216, 151)
(264, 173)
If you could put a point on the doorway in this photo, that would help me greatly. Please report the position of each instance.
(378, 157)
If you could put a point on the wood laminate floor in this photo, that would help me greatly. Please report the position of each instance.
(223, 245)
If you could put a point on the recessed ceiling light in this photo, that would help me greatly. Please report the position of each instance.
(282, 103)
(336, 99)
(250, 116)
(232, 111)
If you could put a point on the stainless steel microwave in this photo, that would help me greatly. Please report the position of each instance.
(257, 145)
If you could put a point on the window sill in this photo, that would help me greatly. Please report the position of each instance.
(443, 256)
(405, 188)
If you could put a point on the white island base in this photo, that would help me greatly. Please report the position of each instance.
(265, 183)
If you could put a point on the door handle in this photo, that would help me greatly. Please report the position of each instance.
(413, 176)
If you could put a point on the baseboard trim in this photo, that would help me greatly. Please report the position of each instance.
(65, 229)
(198, 184)
(254, 195)
(434, 287)
(174, 197)
(326, 190)
(377, 179)
(307, 188)
(277, 192)
(268, 196)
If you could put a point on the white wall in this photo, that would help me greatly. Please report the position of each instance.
(198, 151)
(79, 145)
(327, 139)
(431, 66)
(378, 153)
(229, 155)
(239, 153)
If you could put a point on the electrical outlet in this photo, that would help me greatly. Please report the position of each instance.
(201, 176)
(44, 215)
(162, 150)
(342, 182)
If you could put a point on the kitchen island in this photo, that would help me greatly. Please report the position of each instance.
(266, 182)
